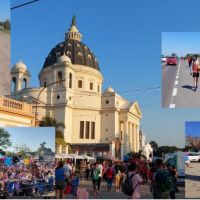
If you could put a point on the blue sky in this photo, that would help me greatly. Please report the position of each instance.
(125, 36)
(32, 137)
(180, 43)
(192, 128)
(4, 9)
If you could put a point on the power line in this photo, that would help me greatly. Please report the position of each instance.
(148, 90)
(149, 105)
(24, 4)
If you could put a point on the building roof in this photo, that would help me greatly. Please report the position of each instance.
(72, 47)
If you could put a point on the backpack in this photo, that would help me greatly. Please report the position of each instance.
(127, 187)
(109, 173)
(95, 174)
(165, 181)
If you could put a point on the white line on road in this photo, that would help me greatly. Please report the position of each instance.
(174, 92)
(172, 106)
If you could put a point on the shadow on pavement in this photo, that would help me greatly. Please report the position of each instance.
(188, 87)
(192, 177)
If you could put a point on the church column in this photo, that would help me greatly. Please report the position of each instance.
(137, 138)
(126, 137)
(130, 136)
(133, 136)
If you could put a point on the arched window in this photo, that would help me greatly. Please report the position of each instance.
(13, 84)
(70, 80)
(45, 84)
(24, 85)
(60, 78)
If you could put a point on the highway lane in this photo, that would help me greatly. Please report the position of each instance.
(4, 63)
(168, 79)
(177, 85)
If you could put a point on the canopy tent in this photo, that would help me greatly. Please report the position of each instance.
(62, 155)
(108, 157)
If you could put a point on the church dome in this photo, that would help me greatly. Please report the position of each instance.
(72, 47)
(109, 90)
(20, 65)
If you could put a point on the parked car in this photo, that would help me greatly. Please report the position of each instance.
(171, 61)
(194, 157)
(163, 59)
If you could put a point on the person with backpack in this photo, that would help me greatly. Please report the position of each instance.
(195, 69)
(95, 177)
(109, 176)
(172, 172)
(163, 182)
(135, 181)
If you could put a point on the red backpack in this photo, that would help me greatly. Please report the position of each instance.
(109, 173)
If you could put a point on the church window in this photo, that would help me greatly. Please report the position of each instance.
(69, 53)
(24, 83)
(45, 84)
(80, 83)
(107, 101)
(59, 79)
(98, 88)
(91, 86)
(81, 129)
(92, 130)
(14, 84)
(70, 80)
(58, 97)
(87, 131)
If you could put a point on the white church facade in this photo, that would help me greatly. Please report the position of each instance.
(71, 92)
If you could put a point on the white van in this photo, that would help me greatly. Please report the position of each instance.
(177, 160)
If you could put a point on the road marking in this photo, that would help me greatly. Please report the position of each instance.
(174, 92)
(172, 106)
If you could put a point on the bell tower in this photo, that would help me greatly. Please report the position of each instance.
(20, 77)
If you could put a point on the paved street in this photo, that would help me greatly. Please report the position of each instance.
(104, 194)
(192, 181)
(177, 86)
(4, 63)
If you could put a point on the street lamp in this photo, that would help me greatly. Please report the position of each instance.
(46, 86)
(37, 99)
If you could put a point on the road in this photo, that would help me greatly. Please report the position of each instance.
(177, 87)
(104, 194)
(4, 63)
(192, 182)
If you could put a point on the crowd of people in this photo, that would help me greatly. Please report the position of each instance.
(20, 176)
(125, 177)
(194, 65)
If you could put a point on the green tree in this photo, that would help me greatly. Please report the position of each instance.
(22, 149)
(154, 145)
(7, 24)
(174, 55)
(4, 139)
(51, 122)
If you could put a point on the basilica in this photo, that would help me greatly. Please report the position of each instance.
(71, 92)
